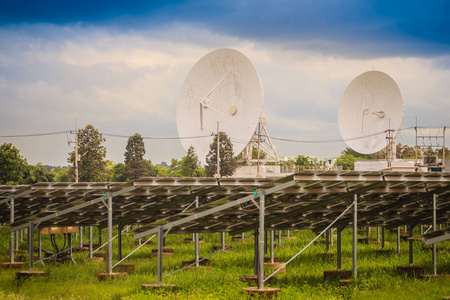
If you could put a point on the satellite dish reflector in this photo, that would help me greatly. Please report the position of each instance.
(371, 110)
(223, 87)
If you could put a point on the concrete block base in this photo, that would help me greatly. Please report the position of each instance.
(205, 268)
(253, 279)
(110, 276)
(437, 276)
(265, 293)
(14, 265)
(204, 262)
(337, 274)
(276, 266)
(155, 286)
(411, 270)
(28, 274)
(125, 268)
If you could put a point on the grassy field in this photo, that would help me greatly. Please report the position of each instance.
(377, 274)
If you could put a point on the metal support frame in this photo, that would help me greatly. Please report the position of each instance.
(197, 241)
(160, 254)
(339, 247)
(382, 237)
(434, 229)
(81, 236)
(272, 245)
(256, 252)
(279, 238)
(398, 240)
(119, 240)
(355, 237)
(411, 245)
(90, 241)
(30, 245)
(210, 211)
(222, 240)
(110, 233)
(11, 237)
(327, 241)
(39, 245)
(261, 240)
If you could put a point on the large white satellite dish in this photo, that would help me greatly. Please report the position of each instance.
(223, 87)
(371, 112)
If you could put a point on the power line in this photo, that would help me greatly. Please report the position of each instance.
(33, 134)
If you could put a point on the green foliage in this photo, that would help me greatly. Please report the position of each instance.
(305, 161)
(135, 164)
(37, 173)
(161, 171)
(92, 164)
(117, 173)
(61, 174)
(190, 165)
(175, 168)
(227, 161)
(346, 161)
(12, 165)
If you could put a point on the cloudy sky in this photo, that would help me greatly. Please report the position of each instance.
(120, 66)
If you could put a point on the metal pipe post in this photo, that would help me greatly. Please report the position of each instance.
(81, 236)
(434, 229)
(279, 238)
(119, 240)
(90, 242)
(327, 241)
(398, 240)
(355, 237)
(222, 240)
(197, 244)
(339, 248)
(272, 245)
(378, 234)
(30, 246)
(382, 237)
(256, 249)
(411, 246)
(17, 240)
(160, 254)
(110, 233)
(11, 237)
(39, 245)
(99, 236)
(261, 241)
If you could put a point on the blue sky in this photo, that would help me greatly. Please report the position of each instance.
(120, 65)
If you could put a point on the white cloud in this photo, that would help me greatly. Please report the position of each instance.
(127, 82)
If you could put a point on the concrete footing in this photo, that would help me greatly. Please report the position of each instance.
(437, 276)
(125, 268)
(326, 256)
(155, 286)
(110, 276)
(28, 274)
(275, 259)
(14, 265)
(253, 279)
(411, 270)
(205, 268)
(203, 262)
(265, 293)
(337, 274)
(275, 266)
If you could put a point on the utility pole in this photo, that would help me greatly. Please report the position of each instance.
(77, 157)
(218, 151)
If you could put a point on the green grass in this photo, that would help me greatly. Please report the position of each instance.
(303, 279)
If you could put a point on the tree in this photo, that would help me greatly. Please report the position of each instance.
(190, 163)
(346, 161)
(61, 174)
(37, 173)
(227, 161)
(12, 165)
(303, 160)
(117, 173)
(92, 164)
(135, 164)
(175, 168)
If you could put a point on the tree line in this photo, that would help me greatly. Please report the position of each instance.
(93, 166)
